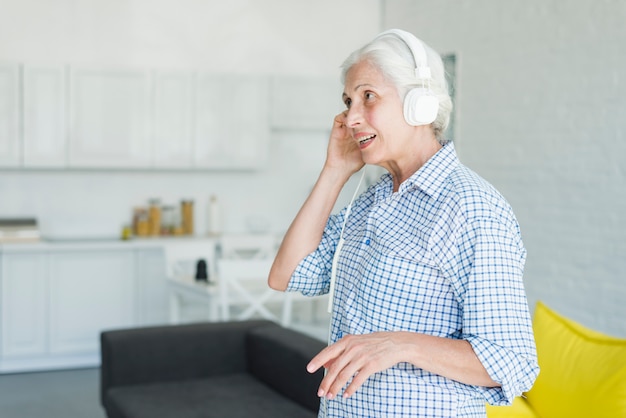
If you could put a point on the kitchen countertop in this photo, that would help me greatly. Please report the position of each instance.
(74, 244)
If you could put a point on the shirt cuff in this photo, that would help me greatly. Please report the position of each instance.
(309, 278)
(515, 372)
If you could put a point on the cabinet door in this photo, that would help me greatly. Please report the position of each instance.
(89, 291)
(321, 96)
(151, 300)
(173, 102)
(109, 119)
(231, 122)
(10, 150)
(23, 309)
(44, 104)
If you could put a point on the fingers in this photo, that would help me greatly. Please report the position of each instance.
(340, 119)
(323, 357)
(357, 381)
(342, 362)
(339, 374)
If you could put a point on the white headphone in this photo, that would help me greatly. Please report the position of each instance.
(420, 103)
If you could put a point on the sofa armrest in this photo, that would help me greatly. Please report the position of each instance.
(278, 356)
(171, 353)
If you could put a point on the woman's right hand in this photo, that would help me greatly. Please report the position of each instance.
(343, 152)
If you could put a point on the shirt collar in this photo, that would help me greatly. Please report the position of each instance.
(430, 177)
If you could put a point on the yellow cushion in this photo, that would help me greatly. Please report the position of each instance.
(583, 372)
(519, 409)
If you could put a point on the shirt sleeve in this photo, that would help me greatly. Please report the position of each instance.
(312, 275)
(487, 272)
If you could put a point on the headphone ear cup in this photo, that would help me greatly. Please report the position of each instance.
(420, 107)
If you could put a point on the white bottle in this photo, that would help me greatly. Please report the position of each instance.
(215, 223)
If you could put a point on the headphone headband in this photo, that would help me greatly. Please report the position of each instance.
(418, 51)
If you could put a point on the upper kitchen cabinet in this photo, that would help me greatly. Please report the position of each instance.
(172, 122)
(109, 119)
(10, 145)
(305, 103)
(231, 121)
(44, 107)
(93, 118)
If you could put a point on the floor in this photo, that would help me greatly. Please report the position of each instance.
(55, 394)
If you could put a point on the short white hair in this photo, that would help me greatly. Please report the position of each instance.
(393, 57)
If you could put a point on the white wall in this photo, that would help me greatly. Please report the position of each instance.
(272, 37)
(541, 104)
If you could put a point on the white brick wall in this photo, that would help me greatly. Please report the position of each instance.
(542, 115)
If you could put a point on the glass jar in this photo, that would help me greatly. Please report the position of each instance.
(154, 217)
(186, 208)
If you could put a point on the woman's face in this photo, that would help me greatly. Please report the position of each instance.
(375, 116)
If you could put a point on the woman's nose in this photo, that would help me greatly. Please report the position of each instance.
(354, 116)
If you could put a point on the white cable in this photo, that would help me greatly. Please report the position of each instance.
(333, 270)
(333, 273)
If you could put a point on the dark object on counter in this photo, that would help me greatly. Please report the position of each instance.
(201, 271)
(214, 369)
(18, 230)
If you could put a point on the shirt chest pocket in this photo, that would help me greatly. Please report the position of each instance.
(405, 270)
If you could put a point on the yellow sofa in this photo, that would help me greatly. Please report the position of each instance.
(583, 373)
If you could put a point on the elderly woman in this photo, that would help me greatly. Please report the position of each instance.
(430, 317)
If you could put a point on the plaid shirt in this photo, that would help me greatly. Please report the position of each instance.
(442, 256)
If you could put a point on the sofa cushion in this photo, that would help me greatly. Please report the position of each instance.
(519, 409)
(583, 372)
(233, 396)
(278, 357)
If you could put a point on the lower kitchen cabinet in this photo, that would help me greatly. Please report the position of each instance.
(88, 293)
(55, 302)
(24, 305)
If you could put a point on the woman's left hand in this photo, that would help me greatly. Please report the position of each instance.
(357, 357)
(354, 357)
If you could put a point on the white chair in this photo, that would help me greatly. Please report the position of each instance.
(243, 268)
(256, 246)
(243, 285)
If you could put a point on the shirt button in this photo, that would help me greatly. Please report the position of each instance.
(367, 241)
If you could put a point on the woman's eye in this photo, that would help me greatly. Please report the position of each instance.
(369, 95)
(348, 102)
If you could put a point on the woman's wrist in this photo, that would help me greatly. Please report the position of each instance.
(335, 176)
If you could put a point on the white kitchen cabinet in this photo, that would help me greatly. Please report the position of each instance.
(94, 118)
(109, 119)
(10, 142)
(305, 103)
(172, 122)
(89, 291)
(24, 304)
(231, 121)
(150, 284)
(57, 298)
(44, 112)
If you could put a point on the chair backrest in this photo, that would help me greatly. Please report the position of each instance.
(243, 285)
(256, 246)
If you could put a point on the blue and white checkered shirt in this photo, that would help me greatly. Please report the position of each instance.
(442, 256)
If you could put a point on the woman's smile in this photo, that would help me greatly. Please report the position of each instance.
(365, 140)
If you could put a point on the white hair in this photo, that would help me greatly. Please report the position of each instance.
(393, 57)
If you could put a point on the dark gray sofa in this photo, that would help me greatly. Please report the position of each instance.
(230, 369)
